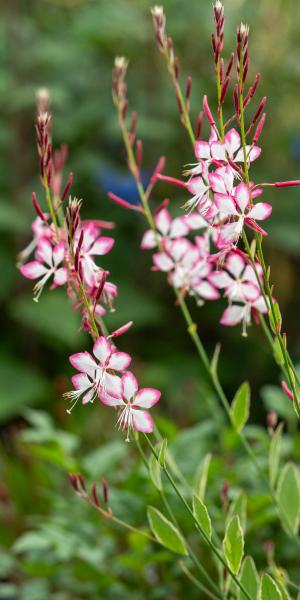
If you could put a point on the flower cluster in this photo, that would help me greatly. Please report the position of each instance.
(65, 250)
(104, 376)
(221, 206)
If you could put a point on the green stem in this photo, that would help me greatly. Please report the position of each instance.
(192, 327)
(267, 293)
(207, 540)
(184, 112)
(173, 518)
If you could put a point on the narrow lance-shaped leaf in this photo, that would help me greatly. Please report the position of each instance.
(202, 516)
(274, 454)
(233, 544)
(162, 452)
(204, 468)
(269, 589)
(154, 471)
(165, 532)
(240, 406)
(288, 492)
(249, 578)
(239, 507)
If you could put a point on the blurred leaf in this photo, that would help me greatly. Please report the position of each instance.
(268, 589)
(249, 578)
(102, 460)
(233, 544)
(21, 386)
(52, 317)
(154, 470)
(165, 532)
(274, 453)
(202, 516)
(202, 478)
(239, 409)
(288, 491)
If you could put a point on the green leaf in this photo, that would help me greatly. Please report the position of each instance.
(21, 386)
(203, 476)
(268, 589)
(288, 491)
(162, 452)
(239, 507)
(165, 532)
(233, 544)
(202, 516)
(154, 471)
(249, 578)
(215, 359)
(240, 406)
(274, 453)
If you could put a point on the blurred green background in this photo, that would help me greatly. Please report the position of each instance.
(69, 46)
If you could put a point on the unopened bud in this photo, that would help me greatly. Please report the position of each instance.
(208, 111)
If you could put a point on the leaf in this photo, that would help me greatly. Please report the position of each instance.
(215, 359)
(240, 406)
(288, 491)
(268, 589)
(165, 532)
(233, 544)
(239, 507)
(154, 471)
(274, 453)
(202, 516)
(203, 477)
(162, 452)
(249, 578)
(21, 386)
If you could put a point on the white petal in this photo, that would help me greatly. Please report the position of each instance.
(142, 421)
(102, 350)
(129, 386)
(163, 221)
(147, 397)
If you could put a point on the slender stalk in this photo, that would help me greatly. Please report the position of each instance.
(179, 95)
(192, 555)
(50, 206)
(208, 542)
(192, 327)
(267, 288)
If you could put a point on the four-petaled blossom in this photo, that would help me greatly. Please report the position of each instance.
(239, 210)
(48, 264)
(98, 378)
(132, 404)
(167, 228)
(92, 245)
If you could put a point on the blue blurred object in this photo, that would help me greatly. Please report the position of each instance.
(124, 186)
(295, 147)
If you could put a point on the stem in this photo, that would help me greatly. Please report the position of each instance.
(50, 206)
(192, 327)
(267, 293)
(179, 95)
(174, 520)
(220, 109)
(208, 542)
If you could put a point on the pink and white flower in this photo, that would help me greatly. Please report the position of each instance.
(92, 245)
(239, 210)
(237, 278)
(132, 404)
(232, 149)
(97, 378)
(47, 265)
(167, 228)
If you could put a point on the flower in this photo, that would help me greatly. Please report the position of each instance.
(49, 258)
(97, 378)
(237, 278)
(239, 210)
(241, 313)
(166, 228)
(92, 244)
(132, 403)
